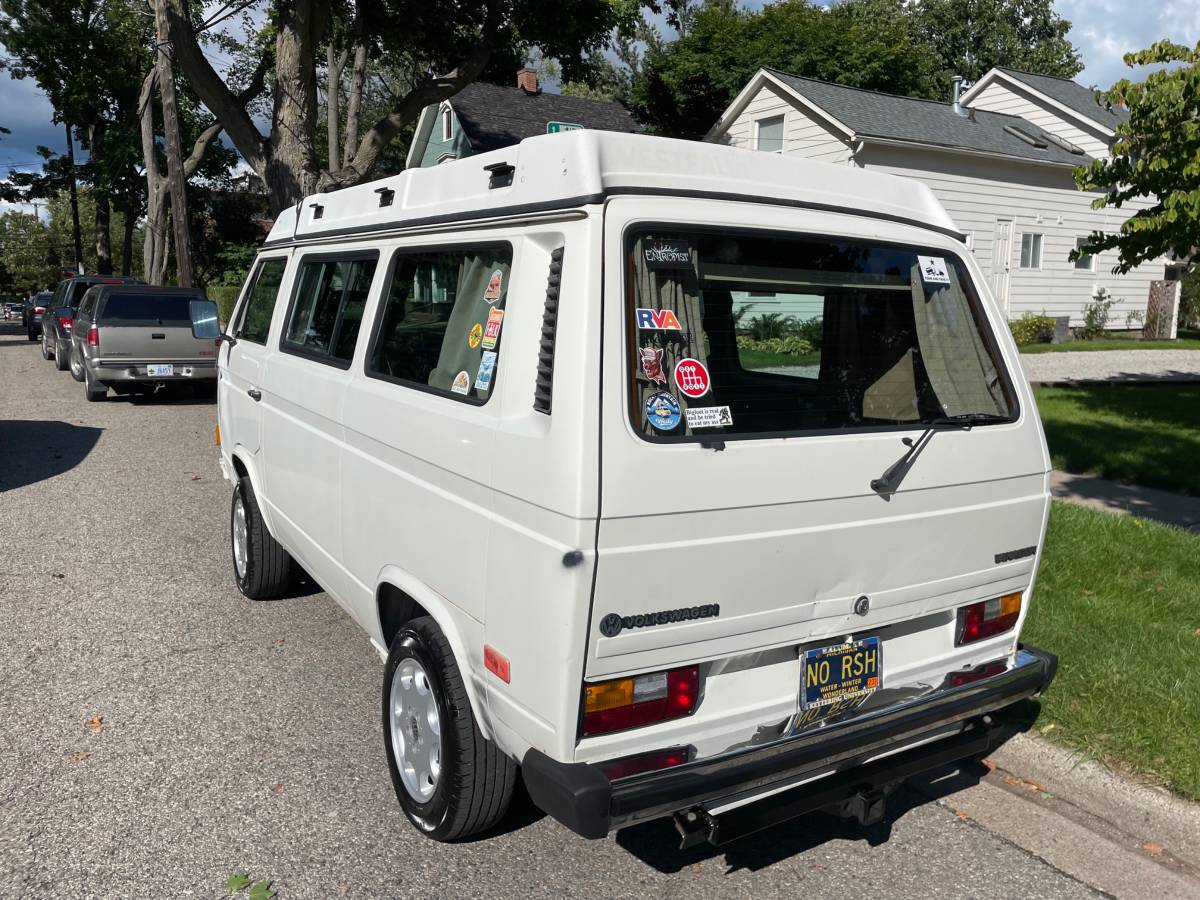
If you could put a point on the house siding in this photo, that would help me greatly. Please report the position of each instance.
(802, 135)
(435, 147)
(977, 191)
(1004, 98)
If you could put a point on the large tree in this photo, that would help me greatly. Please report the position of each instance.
(1155, 158)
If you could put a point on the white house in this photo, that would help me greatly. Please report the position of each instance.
(1000, 160)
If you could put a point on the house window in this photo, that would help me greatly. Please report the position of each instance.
(1084, 263)
(447, 123)
(770, 134)
(1031, 251)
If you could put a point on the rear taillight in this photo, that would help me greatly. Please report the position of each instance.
(65, 321)
(986, 618)
(958, 679)
(93, 336)
(39, 310)
(644, 762)
(642, 700)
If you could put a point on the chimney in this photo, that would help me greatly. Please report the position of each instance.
(527, 80)
(958, 81)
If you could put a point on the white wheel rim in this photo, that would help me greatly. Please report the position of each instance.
(240, 537)
(416, 730)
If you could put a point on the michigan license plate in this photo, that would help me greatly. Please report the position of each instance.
(159, 371)
(841, 675)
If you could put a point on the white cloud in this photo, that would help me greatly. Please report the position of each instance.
(1105, 30)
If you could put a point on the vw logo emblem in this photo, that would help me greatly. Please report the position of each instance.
(610, 625)
(862, 605)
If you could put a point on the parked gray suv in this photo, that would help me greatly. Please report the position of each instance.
(132, 338)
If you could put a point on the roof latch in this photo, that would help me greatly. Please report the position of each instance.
(499, 175)
(386, 196)
(318, 210)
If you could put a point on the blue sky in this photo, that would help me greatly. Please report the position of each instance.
(1103, 30)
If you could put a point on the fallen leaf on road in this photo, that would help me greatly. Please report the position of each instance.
(95, 724)
(989, 763)
(276, 788)
(236, 882)
(58, 575)
(1152, 848)
(195, 478)
(81, 755)
(965, 816)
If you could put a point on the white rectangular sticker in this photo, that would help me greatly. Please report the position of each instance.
(933, 269)
(708, 416)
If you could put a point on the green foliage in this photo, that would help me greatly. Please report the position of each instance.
(258, 890)
(25, 248)
(1032, 329)
(1156, 157)
(239, 881)
(1096, 315)
(1189, 299)
(790, 345)
(225, 296)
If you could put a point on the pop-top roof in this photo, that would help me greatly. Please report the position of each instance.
(577, 168)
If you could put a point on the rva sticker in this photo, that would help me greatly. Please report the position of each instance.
(657, 320)
(487, 366)
(662, 411)
(462, 383)
(651, 362)
(667, 255)
(491, 332)
(495, 285)
(691, 377)
(933, 269)
(708, 416)
(475, 336)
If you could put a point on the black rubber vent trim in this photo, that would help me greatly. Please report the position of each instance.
(543, 388)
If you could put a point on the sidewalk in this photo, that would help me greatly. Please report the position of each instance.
(1112, 366)
(1127, 499)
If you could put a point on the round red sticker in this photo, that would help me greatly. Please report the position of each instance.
(692, 377)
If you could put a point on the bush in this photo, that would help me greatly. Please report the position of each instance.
(1189, 299)
(225, 296)
(788, 346)
(811, 330)
(1095, 315)
(1032, 329)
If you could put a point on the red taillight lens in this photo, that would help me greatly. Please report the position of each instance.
(65, 321)
(645, 762)
(642, 700)
(958, 679)
(39, 310)
(987, 618)
(93, 336)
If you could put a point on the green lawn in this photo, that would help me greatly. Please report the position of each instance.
(1188, 340)
(1118, 599)
(758, 359)
(1145, 434)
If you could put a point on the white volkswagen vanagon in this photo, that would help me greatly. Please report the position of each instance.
(510, 414)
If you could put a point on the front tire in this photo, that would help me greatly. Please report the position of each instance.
(451, 782)
(261, 567)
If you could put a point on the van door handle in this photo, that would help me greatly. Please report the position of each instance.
(155, 336)
(255, 394)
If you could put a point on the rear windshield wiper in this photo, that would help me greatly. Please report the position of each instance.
(889, 481)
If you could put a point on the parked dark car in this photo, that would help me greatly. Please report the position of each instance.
(31, 313)
(60, 314)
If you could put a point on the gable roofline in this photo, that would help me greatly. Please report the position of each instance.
(412, 157)
(1007, 77)
(766, 76)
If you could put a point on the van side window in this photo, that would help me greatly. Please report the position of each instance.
(255, 319)
(439, 325)
(328, 307)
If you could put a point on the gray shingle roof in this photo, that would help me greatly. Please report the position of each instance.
(1072, 95)
(871, 114)
(493, 116)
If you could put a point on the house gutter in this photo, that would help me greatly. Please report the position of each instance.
(967, 151)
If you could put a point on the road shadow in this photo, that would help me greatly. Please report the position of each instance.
(169, 395)
(34, 450)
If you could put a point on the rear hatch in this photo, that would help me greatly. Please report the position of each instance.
(146, 327)
(772, 450)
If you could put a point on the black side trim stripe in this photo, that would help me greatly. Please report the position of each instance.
(544, 386)
(1010, 555)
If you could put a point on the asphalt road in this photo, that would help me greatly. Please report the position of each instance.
(228, 736)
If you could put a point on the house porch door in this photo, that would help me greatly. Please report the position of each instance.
(1001, 261)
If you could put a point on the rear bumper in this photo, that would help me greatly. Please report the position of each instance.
(110, 371)
(580, 796)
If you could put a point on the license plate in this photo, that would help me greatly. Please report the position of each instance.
(159, 371)
(841, 674)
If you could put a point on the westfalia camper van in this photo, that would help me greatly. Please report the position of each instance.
(681, 480)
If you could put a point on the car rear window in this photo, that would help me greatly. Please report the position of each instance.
(754, 334)
(165, 309)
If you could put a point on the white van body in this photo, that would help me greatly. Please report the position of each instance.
(552, 526)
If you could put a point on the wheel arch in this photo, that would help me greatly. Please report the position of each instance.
(243, 465)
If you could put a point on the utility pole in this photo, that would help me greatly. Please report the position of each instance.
(76, 233)
(176, 182)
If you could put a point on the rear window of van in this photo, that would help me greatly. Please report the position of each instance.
(743, 334)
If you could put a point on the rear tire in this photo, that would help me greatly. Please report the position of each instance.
(261, 567)
(46, 354)
(76, 365)
(29, 334)
(469, 788)
(94, 390)
(62, 359)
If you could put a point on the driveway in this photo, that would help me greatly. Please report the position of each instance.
(158, 732)
(1112, 365)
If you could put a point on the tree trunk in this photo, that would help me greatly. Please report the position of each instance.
(335, 63)
(358, 78)
(76, 231)
(103, 214)
(176, 180)
(154, 248)
(127, 240)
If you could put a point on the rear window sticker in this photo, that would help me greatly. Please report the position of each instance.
(494, 287)
(708, 416)
(662, 411)
(475, 336)
(487, 365)
(933, 269)
(691, 377)
(491, 332)
(651, 361)
(673, 254)
(462, 383)
(657, 320)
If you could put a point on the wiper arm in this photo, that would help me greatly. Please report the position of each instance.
(889, 481)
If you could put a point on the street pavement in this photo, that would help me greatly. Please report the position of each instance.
(158, 732)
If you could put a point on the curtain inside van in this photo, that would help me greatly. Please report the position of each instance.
(471, 308)
(956, 359)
